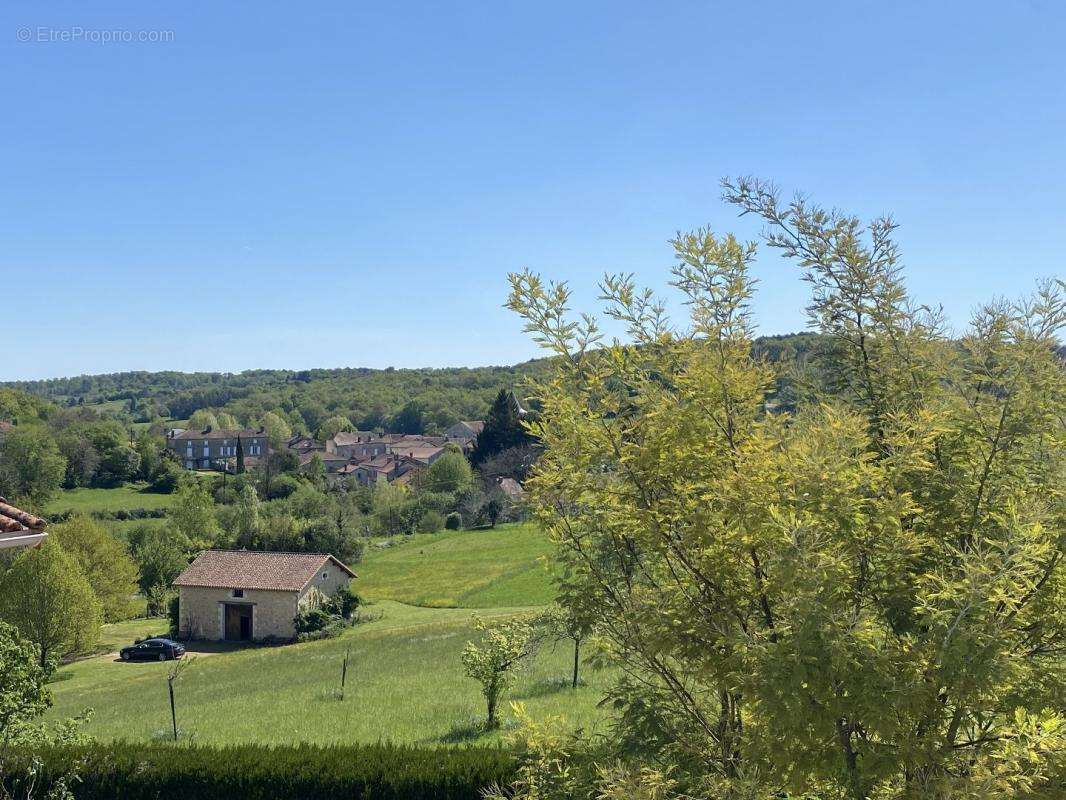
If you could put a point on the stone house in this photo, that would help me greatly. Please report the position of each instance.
(240, 595)
(19, 528)
(464, 432)
(212, 447)
(356, 444)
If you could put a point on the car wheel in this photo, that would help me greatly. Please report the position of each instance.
(124, 656)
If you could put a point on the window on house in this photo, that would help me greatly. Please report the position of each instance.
(238, 592)
(325, 575)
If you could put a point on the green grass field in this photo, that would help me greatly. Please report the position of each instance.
(121, 498)
(405, 678)
(461, 569)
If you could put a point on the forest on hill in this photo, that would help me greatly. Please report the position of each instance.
(425, 400)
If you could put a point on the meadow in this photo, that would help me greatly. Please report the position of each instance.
(121, 498)
(405, 681)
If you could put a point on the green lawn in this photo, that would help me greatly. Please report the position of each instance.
(470, 569)
(121, 498)
(405, 679)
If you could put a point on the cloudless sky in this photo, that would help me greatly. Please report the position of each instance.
(348, 183)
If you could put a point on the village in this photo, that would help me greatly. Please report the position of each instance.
(366, 456)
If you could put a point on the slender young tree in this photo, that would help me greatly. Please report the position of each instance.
(492, 661)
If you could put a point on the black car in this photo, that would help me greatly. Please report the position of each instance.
(152, 650)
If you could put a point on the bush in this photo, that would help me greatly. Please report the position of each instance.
(282, 486)
(313, 619)
(253, 772)
(343, 603)
(173, 615)
(454, 521)
(166, 478)
(431, 522)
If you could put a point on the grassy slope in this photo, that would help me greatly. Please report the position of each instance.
(467, 569)
(405, 680)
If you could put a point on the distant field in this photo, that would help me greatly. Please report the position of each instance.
(471, 569)
(121, 498)
(405, 680)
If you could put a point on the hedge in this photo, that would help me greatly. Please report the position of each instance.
(251, 772)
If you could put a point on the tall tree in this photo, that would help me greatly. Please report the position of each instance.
(49, 600)
(31, 466)
(192, 517)
(503, 428)
(860, 599)
(103, 560)
(277, 429)
(160, 559)
(332, 426)
(449, 473)
(246, 517)
(202, 419)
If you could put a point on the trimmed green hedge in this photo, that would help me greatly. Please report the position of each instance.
(250, 772)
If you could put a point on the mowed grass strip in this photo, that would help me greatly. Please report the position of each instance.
(405, 684)
(499, 567)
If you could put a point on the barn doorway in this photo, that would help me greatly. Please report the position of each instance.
(238, 622)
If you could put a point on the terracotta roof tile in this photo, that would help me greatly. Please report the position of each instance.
(247, 569)
(19, 528)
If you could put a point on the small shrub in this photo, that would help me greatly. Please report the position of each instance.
(431, 522)
(343, 603)
(454, 521)
(313, 619)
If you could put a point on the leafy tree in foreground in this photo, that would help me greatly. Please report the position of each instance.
(23, 693)
(48, 599)
(861, 599)
(103, 560)
(493, 660)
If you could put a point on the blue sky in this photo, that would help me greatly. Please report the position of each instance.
(349, 184)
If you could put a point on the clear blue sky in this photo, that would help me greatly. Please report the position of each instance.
(347, 184)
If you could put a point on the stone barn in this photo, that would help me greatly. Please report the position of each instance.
(240, 595)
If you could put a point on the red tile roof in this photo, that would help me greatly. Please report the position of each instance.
(19, 528)
(246, 569)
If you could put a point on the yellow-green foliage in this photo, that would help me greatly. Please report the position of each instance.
(47, 597)
(862, 599)
(103, 559)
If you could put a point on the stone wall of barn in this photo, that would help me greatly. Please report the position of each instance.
(325, 583)
(201, 612)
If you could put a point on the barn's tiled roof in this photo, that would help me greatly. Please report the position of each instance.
(19, 528)
(245, 569)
